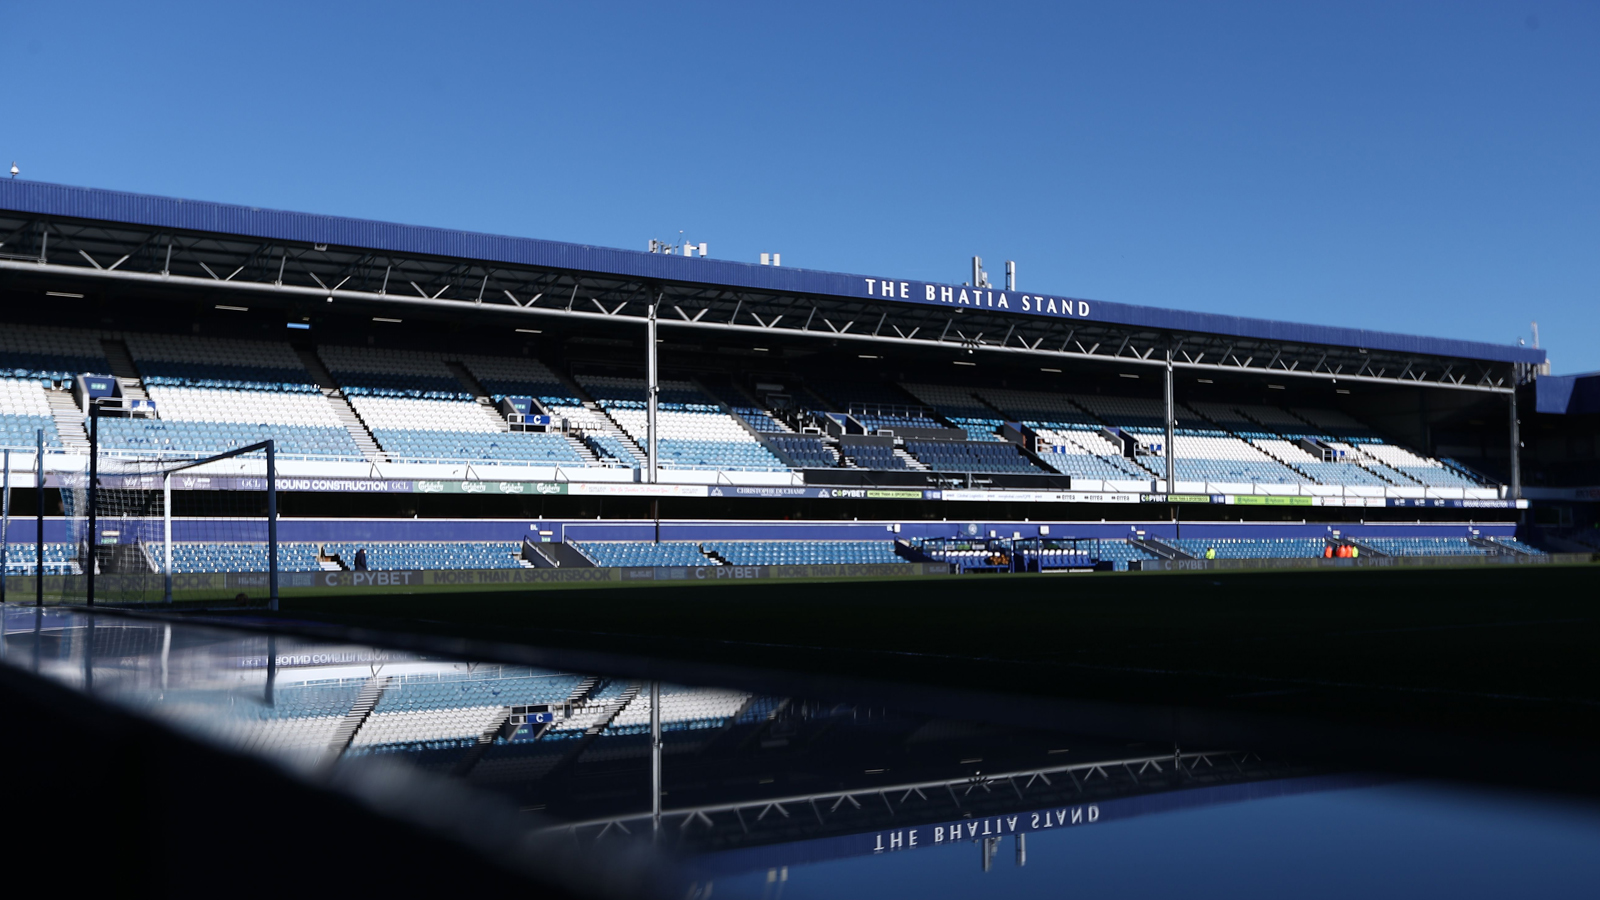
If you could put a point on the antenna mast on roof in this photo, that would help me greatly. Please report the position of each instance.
(680, 248)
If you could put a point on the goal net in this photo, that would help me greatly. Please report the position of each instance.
(145, 529)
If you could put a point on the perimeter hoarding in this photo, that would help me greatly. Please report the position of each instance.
(607, 489)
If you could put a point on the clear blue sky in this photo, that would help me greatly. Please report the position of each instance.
(1421, 167)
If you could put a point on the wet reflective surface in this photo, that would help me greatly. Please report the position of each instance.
(766, 795)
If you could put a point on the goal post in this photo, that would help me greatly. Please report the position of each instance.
(267, 447)
(144, 526)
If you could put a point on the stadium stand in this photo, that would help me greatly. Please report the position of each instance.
(761, 420)
(373, 372)
(591, 435)
(694, 431)
(971, 456)
(1361, 443)
(213, 395)
(1085, 454)
(869, 455)
(613, 447)
(1268, 548)
(1141, 415)
(1051, 558)
(24, 410)
(803, 451)
(1213, 456)
(431, 554)
(193, 361)
(1515, 545)
(414, 711)
(1201, 451)
(302, 556)
(301, 725)
(184, 437)
(1429, 472)
(190, 557)
(526, 377)
(979, 555)
(1121, 553)
(960, 408)
(417, 408)
(1260, 426)
(634, 553)
(1425, 546)
(59, 559)
(509, 686)
(1069, 438)
(50, 356)
(788, 553)
(873, 404)
(682, 709)
(1053, 410)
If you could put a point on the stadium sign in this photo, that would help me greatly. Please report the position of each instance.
(346, 657)
(997, 826)
(1041, 496)
(490, 487)
(1270, 500)
(1452, 503)
(920, 835)
(980, 298)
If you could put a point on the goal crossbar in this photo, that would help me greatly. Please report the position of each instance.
(272, 515)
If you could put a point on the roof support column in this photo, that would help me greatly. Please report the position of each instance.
(1516, 445)
(1171, 418)
(651, 389)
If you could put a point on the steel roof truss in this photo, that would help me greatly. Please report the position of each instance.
(155, 255)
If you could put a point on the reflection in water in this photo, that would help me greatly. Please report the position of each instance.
(742, 793)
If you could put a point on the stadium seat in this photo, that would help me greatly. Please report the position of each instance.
(790, 553)
(694, 432)
(639, 553)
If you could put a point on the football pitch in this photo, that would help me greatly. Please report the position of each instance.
(1504, 650)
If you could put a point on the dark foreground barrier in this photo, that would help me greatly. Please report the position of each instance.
(1361, 562)
(118, 805)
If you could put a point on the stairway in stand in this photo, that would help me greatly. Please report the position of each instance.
(69, 420)
(124, 371)
(366, 701)
(479, 395)
(613, 708)
(342, 410)
(583, 450)
(911, 461)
